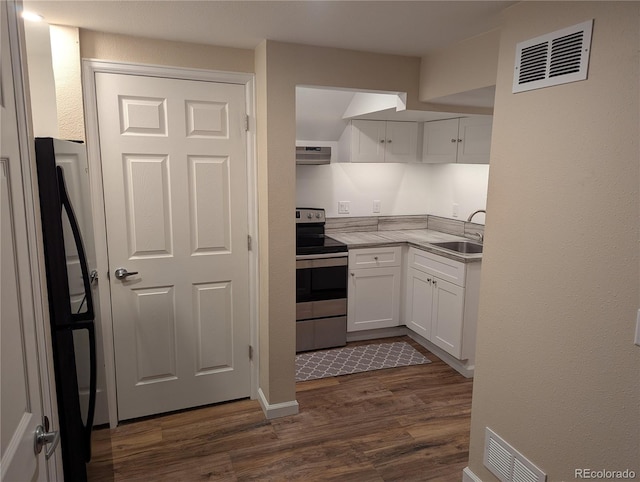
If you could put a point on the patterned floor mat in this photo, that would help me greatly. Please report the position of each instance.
(361, 358)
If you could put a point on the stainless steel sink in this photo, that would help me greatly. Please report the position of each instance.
(464, 247)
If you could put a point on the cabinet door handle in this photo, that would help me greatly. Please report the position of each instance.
(352, 273)
(435, 283)
(381, 141)
(459, 140)
(453, 141)
(389, 141)
(376, 258)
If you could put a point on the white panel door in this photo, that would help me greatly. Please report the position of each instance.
(174, 166)
(368, 141)
(402, 141)
(21, 394)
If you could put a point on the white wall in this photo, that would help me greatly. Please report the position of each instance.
(461, 184)
(401, 188)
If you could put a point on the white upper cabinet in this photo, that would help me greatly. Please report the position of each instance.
(368, 141)
(440, 141)
(402, 142)
(379, 141)
(475, 146)
(464, 141)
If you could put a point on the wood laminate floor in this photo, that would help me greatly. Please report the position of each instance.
(398, 424)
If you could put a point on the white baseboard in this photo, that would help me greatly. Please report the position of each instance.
(277, 410)
(469, 476)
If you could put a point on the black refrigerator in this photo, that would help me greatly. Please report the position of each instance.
(71, 307)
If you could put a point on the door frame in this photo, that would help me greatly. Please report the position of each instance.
(36, 291)
(90, 67)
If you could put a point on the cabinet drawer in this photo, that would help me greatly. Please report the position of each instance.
(444, 268)
(375, 257)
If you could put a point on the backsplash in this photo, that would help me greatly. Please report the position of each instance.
(400, 189)
(397, 223)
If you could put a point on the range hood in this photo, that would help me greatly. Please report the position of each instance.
(313, 155)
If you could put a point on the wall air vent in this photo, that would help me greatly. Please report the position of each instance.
(556, 58)
(507, 463)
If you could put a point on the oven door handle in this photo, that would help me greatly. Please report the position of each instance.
(321, 256)
(321, 262)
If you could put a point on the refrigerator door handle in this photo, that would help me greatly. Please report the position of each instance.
(82, 320)
(73, 222)
(92, 389)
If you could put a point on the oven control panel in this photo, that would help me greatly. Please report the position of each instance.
(309, 215)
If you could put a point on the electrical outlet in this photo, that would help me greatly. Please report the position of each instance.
(376, 206)
(343, 207)
(454, 210)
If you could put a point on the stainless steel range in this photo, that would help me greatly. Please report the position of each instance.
(321, 284)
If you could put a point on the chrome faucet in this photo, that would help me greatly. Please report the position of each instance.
(474, 213)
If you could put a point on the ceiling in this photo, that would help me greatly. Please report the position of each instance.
(396, 27)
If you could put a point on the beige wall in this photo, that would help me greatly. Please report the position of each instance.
(69, 45)
(279, 68)
(123, 48)
(557, 373)
(65, 51)
(263, 224)
(465, 66)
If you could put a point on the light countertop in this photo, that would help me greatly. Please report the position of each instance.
(418, 238)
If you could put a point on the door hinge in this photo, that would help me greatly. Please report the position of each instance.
(246, 123)
(249, 241)
(250, 352)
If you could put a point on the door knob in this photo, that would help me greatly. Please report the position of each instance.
(122, 273)
(44, 437)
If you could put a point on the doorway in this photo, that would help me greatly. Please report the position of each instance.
(173, 177)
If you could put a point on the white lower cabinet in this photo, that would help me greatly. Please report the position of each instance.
(419, 307)
(436, 305)
(374, 288)
(447, 316)
(435, 310)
